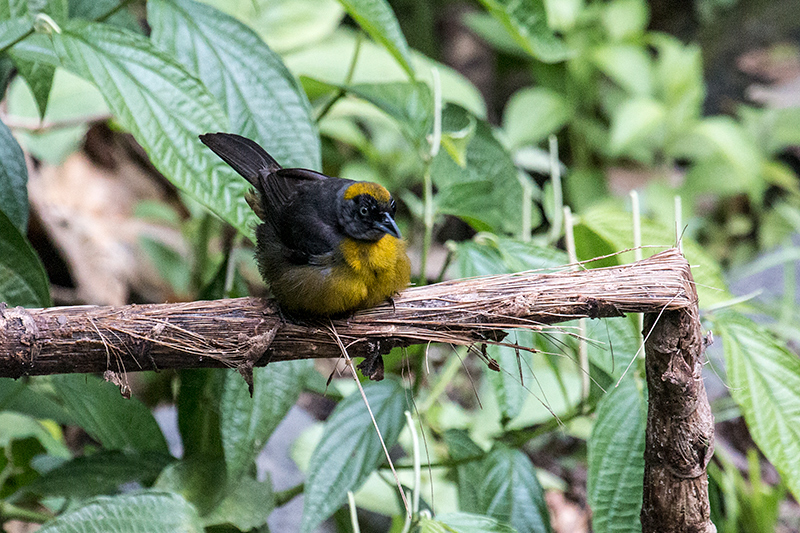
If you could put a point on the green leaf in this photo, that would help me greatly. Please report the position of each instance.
(151, 511)
(247, 423)
(628, 65)
(14, 427)
(409, 103)
(616, 459)
(39, 77)
(617, 342)
(38, 48)
(510, 491)
(57, 9)
(23, 280)
(72, 101)
(460, 447)
(486, 192)
(246, 507)
(262, 99)
(488, 254)
(96, 9)
(623, 19)
(286, 24)
(14, 29)
(377, 19)
(764, 379)
(103, 472)
(614, 226)
(13, 180)
(463, 523)
(511, 393)
(323, 61)
(469, 472)
(163, 106)
(199, 479)
(633, 123)
(98, 407)
(350, 449)
(527, 24)
(25, 398)
(720, 144)
(534, 113)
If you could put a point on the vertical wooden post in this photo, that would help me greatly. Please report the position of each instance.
(680, 426)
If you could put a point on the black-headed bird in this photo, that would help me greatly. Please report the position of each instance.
(327, 246)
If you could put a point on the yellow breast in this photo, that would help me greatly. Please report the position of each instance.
(365, 274)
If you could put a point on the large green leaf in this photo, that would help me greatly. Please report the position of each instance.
(526, 22)
(617, 341)
(98, 10)
(350, 449)
(247, 423)
(469, 470)
(246, 507)
(261, 97)
(13, 180)
(100, 473)
(22, 277)
(377, 19)
(463, 523)
(286, 24)
(151, 511)
(24, 397)
(633, 123)
(39, 77)
(764, 379)
(199, 479)
(163, 106)
(14, 29)
(616, 459)
(628, 65)
(98, 407)
(488, 254)
(409, 103)
(510, 491)
(486, 192)
(615, 226)
(534, 113)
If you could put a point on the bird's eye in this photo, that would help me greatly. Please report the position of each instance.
(364, 211)
(393, 206)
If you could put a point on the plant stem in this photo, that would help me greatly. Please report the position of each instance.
(347, 80)
(427, 220)
(285, 496)
(558, 195)
(201, 251)
(9, 511)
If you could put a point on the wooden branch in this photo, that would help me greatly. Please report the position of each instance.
(244, 332)
(235, 332)
(679, 439)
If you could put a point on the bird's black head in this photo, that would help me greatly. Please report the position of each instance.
(367, 212)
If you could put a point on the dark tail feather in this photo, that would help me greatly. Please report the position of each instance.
(245, 156)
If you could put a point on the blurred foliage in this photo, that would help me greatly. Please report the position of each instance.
(595, 104)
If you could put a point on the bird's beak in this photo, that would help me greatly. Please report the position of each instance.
(389, 226)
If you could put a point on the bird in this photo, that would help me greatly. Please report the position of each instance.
(326, 246)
